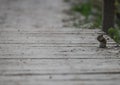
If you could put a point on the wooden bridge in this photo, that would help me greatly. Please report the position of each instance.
(36, 50)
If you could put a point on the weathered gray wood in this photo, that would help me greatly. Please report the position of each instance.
(106, 79)
(57, 66)
(56, 51)
(36, 50)
(62, 78)
(37, 81)
(59, 30)
(108, 14)
(23, 37)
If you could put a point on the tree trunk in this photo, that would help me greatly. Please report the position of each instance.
(108, 14)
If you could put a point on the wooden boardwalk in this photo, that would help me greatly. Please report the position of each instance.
(36, 50)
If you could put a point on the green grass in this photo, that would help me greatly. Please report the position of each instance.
(114, 33)
(84, 8)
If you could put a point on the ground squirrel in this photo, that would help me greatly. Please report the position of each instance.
(102, 41)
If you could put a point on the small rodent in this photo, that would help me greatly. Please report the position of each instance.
(102, 41)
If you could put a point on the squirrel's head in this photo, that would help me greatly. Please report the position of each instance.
(100, 37)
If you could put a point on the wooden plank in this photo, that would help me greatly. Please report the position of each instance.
(49, 30)
(47, 33)
(55, 51)
(37, 82)
(28, 39)
(59, 67)
(36, 50)
(47, 38)
(74, 77)
(106, 79)
(44, 35)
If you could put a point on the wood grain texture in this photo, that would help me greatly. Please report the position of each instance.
(36, 50)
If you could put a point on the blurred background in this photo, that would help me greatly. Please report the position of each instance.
(88, 14)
